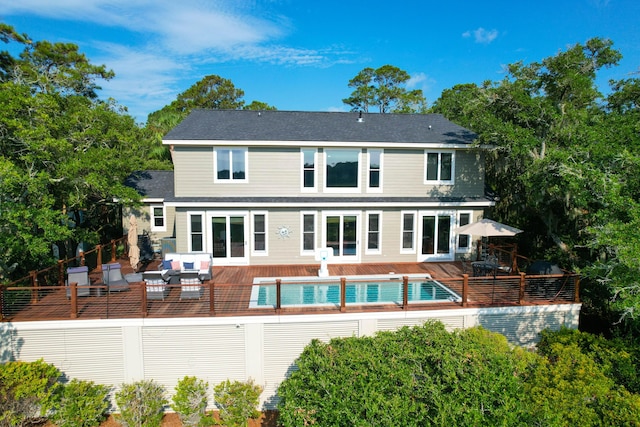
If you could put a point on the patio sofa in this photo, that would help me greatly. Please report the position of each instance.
(175, 263)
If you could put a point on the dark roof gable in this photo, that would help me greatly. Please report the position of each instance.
(151, 184)
(245, 125)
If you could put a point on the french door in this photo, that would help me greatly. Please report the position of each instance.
(342, 234)
(436, 242)
(228, 238)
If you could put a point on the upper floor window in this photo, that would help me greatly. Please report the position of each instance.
(309, 171)
(230, 164)
(158, 218)
(343, 168)
(375, 169)
(439, 167)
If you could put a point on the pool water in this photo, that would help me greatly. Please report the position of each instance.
(295, 293)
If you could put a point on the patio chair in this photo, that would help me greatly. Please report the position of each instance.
(190, 286)
(113, 279)
(156, 286)
(79, 275)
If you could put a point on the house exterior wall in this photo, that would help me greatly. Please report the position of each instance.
(288, 250)
(277, 171)
(264, 348)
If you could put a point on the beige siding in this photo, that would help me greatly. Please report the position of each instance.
(143, 217)
(288, 250)
(277, 172)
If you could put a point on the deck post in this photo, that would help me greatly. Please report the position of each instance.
(465, 289)
(278, 295)
(212, 305)
(343, 294)
(523, 283)
(576, 290)
(60, 273)
(99, 255)
(405, 292)
(73, 290)
(35, 289)
(113, 251)
(145, 309)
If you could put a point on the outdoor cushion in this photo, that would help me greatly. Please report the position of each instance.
(175, 265)
(166, 264)
(204, 265)
(188, 266)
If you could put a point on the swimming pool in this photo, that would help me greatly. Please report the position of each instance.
(359, 290)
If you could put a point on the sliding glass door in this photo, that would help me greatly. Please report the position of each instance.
(342, 235)
(436, 233)
(229, 238)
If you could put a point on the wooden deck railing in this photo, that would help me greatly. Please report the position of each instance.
(54, 303)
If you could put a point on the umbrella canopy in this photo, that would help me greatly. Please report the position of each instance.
(488, 228)
(132, 238)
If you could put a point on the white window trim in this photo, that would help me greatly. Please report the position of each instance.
(231, 180)
(369, 188)
(254, 251)
(453, 167)
(204, 231)
(413, 249)
(338, 259)
(452, 236)
(326, 189)
(378, 251)
(153, 218)
(313, 189)
(470, 248)
(304, 252)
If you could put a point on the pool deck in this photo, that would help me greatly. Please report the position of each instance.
(228, 294)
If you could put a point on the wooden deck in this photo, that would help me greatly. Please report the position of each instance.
(229, 293)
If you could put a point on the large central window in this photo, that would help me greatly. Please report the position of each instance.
(230, 164)
(342, 168)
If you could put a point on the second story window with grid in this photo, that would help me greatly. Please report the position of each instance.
(439, 167)
(375, 169)
(230, 164)
(308, 169)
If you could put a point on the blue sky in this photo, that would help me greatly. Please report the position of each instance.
(301, 54)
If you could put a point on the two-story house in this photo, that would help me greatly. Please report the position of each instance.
(273, 187)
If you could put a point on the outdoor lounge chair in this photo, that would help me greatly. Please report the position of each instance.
(79, 275)
(190, 286)
(113, 279)
(156, 286)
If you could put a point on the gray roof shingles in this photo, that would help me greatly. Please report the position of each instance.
(152, 184)
(245, 125)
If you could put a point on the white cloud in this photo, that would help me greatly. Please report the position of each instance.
(481, 35)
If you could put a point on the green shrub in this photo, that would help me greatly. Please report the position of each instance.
(141, 404)
(237, 401)
(190, 401)
(81, 404)
(410, 377)
(27, 390)
(568, 388)
(619, 359)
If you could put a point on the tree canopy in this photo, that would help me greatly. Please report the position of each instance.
(565, 163)
(384, 88)
(64, 152)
